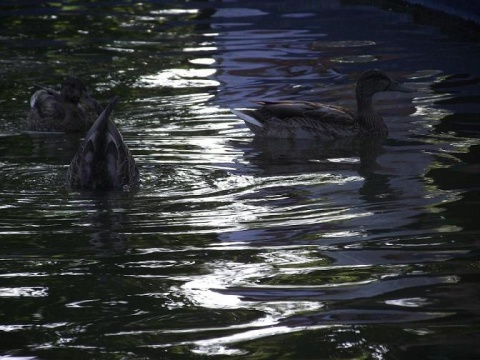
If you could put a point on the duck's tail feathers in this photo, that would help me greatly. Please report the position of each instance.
(247, 118)
(102, 119)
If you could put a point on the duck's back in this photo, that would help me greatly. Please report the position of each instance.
(302, 119)
(50, 112)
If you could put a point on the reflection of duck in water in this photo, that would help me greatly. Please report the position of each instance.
(67, 111)
(284, 156)
(103, 161)
(303, 119)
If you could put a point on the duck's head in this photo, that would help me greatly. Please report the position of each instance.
(74, 90)
(373, 81)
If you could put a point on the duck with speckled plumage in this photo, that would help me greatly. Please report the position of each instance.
(103, 161)
(66, 111)
(303, 119)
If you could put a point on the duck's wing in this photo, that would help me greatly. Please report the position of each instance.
(300, 119)
(285, 110)
(103, 161)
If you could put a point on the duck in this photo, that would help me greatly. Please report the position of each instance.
(309, 120)
(103, 161)
(65, 111)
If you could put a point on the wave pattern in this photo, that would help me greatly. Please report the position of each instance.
(235, 247)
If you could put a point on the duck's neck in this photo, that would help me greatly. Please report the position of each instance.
(364, 103)
(368, 117)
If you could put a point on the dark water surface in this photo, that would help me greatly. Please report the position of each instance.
(236, 248)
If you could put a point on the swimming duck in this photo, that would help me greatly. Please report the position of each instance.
(103, 161)
(303, 119)
(67, 111)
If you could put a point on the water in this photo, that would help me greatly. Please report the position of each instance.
(236, 248)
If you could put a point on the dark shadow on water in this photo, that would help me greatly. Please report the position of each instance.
(50, 147)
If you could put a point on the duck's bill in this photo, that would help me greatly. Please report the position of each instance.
(394, 86)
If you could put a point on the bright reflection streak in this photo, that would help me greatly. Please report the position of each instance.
(248, 209)
(205, 290)
(201, 290)
(174, 11)
(430, 112)
(16, 327)
(202, 48)
(202, 61)
(179, 78)
(216, 346)
(410, 302)
(24, 292)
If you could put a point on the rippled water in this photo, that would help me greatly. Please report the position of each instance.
(235, 247)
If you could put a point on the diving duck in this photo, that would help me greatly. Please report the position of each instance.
(67, 111)
(303, 119)
(103, 161)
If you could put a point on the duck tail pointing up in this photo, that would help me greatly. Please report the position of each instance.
(247, 118)
(103, 117)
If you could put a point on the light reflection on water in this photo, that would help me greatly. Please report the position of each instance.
(234, 246)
